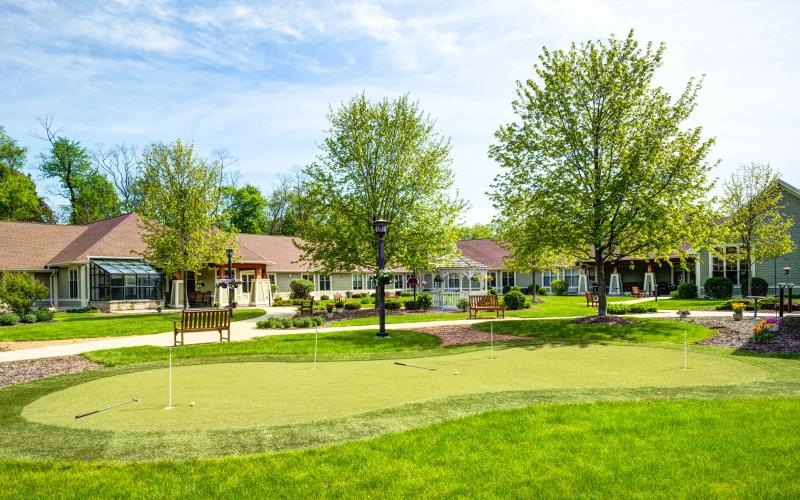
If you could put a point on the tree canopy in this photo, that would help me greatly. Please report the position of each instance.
(751, 206)
(18, 198)
(179, 198)
(380, 160)
(244, 209)
(597, 163)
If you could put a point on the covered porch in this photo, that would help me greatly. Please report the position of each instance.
(649, 276)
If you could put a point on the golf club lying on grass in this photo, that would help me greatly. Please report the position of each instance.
(414, 366)
(133, 400)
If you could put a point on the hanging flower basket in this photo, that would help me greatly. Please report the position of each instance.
(225, 283)
(383, 277)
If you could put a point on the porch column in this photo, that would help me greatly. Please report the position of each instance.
(221, 296)
(700, 291)
(84, 283)
(260, 293)
(614, 284)
(176, 294)
(583, 282)
(649, 279)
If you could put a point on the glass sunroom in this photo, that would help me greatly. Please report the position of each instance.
(122, 279)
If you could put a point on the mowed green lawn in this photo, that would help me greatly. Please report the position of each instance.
(576, 411)
(552, 306)
(92, 325)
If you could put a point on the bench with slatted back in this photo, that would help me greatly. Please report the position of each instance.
(485, 303)
(206, 320)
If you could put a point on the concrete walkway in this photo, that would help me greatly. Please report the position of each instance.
(246, 329)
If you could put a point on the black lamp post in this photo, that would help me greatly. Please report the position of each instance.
(380, 232)
(229, 253)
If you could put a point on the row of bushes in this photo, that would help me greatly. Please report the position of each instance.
(302, 322)
(621, 308)
(9, 318)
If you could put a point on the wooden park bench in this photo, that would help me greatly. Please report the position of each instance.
(485, 303)
(591, 299)
(207, 320)
(636, 293)
(307, 306)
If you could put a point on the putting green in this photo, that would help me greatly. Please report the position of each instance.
(239, 395)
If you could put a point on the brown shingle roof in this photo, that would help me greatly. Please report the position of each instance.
(278, 251)
(115, 237)
(484, 250)
(30, 245)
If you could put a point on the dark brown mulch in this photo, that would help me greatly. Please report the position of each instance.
(463, 334)
(603, 320)
(16, 372)
(739, 335)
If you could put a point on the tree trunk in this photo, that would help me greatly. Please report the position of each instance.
(601, 284)
(533, 286)
(185, 290)
(747, 272)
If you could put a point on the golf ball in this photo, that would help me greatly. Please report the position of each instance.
(191, 404)
(455, 373)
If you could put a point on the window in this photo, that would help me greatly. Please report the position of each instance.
(571, 276)
(725, 263)
(358, 282)
(399, 281)
(372, 284)
(273, 280)
(309, 277)
(73, 283)
(324, 282)
(548, 277)
(123, 280)
(506, 279)
(247, 281)
(191, 281)
(454, 281)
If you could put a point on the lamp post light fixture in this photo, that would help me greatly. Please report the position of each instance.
(781, 287)
(381, 227)
(229, 253)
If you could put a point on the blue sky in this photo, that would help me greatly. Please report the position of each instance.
(258, 78)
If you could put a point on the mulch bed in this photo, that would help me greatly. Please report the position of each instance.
(738, 335)
(463, 334)
(16, 372)
(603, 320)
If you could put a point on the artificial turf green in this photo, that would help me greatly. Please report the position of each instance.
(92, 325)
(683, 449)
(239, 395)
(567, 330)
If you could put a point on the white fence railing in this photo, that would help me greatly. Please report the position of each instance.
(446, 299)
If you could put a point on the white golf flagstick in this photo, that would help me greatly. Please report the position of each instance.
(169, 407)
(684, 348)
(316, 340)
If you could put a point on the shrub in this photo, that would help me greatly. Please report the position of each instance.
(718, 287)
(615, 308)
(352, 306)
(43, 314)
(542, 291)
(304, 322)
(324, 297)
(514, 300)
(392, 305)
(329, 308)
(463, 305)
(410, 305)
(287, 323)
(367, 300)
(673, 294)
(687, 291)
(8, 319)
(492, 291)
(339, 304)
(559, 287)
(406, 294)
(728, 305)
(28, 318)
(507, 289)
(424, 301)
(760, 287)
(20, 290)
(357, 295)
(301, 289)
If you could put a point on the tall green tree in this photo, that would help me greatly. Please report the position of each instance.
(751, 205)
(68, 162)
(476, 231)
(380, 160)
(600, 150)
(179, 197)
(244, 209)
(18, 198)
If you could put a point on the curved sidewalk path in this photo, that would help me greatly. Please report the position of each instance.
(246, 329)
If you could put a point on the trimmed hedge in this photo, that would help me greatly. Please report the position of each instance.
(301, 289)
(640, 308)
(424, 301)
(8, 319)
(283, 323)
(392, 305)
(760, 287)
(514, 300)
(559, 287)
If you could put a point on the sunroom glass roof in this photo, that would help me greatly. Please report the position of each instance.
(125, 266)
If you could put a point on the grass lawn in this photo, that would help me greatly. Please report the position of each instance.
(566, 330)
(553, 306)
(593, 414)
(696, 449)
(91, 325)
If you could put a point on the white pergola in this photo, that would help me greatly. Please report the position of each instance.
(471, 276)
